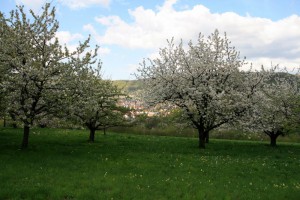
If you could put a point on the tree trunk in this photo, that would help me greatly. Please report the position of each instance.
(273, 138)
(104, 131)
(14, 124)
(92, 135)
(4, 121)
(207, 137)
(25, 137)
(201, 139)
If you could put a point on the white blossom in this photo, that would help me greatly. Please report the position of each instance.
(203, 79)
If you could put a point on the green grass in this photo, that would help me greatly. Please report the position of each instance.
(61, 164)
(294, 136)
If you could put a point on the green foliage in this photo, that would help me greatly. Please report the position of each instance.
(37, 66)
(203, 79)
(44, 78)
(128, 86)
(62, 165)
(94, 102)
(143, 120)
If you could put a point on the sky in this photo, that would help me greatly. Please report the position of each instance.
(266, 32)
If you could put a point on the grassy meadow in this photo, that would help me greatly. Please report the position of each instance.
(61, 164)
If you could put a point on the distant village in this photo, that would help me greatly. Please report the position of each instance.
(138, 107)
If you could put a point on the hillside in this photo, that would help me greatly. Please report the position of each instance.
(129, 86)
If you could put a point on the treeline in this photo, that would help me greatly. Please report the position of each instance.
(201, 85)
(208, 82)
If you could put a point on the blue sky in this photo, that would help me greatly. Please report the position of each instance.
(265, 31)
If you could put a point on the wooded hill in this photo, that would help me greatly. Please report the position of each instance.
(129, 86)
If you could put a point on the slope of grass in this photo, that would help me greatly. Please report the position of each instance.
(129, 86)
(61, 164)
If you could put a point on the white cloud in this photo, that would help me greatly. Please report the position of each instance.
(290, 64)
(257, 38)
(35, 5)
(69, 39)
(104, 50)
(73, 4)
(72, 42)
(89, 27)
(96, 37)
(93, 32)
(77, 4)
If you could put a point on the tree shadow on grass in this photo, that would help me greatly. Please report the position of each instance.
(74, 143)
